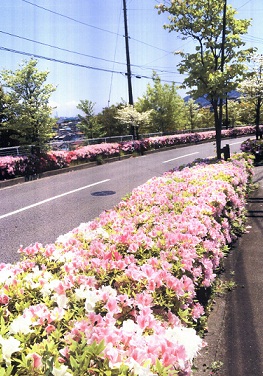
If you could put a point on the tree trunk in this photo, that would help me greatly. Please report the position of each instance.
(258, 135)
(218, 129)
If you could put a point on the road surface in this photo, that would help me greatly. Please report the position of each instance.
(41, 210)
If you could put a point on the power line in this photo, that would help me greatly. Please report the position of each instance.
(115, 51)
(95, 27)
(69, 18)
(60, 48)
(78, 65)
(81, 54)
(244, 5)
(57, 60)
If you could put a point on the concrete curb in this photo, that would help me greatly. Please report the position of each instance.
(20, 180)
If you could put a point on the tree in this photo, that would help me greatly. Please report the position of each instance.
(5, 133)
(111, 125)
(218, 63)
(88, 123)
(131, 118)
(168, 108)
(240, 112)
(27, 110)
(193, 114)
(252, 88)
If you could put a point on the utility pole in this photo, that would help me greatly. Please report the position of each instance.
(220, 119)
(127, 54)
(128, 61)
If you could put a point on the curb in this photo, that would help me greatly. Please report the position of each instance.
(20, 180)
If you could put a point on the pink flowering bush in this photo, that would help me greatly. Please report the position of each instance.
(254, 147)
(119, 295)
(90, 152)
(11, 167)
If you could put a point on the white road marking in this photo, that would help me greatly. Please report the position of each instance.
(182, 156)
(51, 199)
(235, 143)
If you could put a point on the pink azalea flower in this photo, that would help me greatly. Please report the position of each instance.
(4, 299)
(36, 360)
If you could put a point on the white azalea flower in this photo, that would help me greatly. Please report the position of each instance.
(63, 239)
(62, 371)
(61, 300)
(5, 275)
(140, 370)
(129, 326)
(21, 325)
(91, 299)
(81, 292)
(186, 337)
(49, 287)
(109, 290)
(103, 233)
(9, 346)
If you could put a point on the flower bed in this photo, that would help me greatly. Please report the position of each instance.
(254, 147)
(11, 167)
(118, 295)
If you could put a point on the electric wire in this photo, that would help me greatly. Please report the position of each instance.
(81, 54)
(89, 25)
(60, 48)
(79, 65)
(115, 51)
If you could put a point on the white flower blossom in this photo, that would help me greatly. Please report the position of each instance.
(140, 370)
(5, 275)
(61, 300)
(62, 371)
(91, 299)
(129, 326)
(21, 325)
(63, 239)
(81, 292)
(108, 290)
(186, 337)
(9, 346)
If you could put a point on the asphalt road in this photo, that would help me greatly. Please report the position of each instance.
(41, 210)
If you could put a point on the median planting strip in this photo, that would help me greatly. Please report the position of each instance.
(120, 295)
(34, 165)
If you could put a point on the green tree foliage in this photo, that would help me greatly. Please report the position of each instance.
(27, 111)
(110, 124)
(168, 108)
(240, 112)
(252, 88)
(211, 70)
(205, 118)
(89, 124)
(5, 133)
(193, 115)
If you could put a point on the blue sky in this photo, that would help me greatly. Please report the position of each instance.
(92, 32)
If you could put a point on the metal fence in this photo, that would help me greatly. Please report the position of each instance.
(63, 145)
(72, 145)
(15, 151)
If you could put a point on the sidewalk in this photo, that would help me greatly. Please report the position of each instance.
(235, 326)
